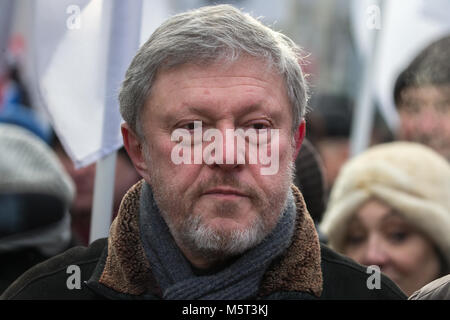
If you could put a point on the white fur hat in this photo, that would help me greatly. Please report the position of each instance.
(411, 178)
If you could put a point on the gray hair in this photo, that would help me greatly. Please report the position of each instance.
(204, 36)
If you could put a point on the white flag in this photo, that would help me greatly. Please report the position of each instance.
(80, 52)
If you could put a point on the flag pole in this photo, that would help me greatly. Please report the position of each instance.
(103, 197)
(124, 36)
(363, 116)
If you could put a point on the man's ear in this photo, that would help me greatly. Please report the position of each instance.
(299, 136)
(135, 151)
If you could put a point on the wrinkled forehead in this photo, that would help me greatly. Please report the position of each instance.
(248, 71)
(243, 64)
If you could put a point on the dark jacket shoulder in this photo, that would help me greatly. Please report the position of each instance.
(343, 278)
(61, 277)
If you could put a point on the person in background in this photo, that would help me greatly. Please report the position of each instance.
(310, 179)
(422, 97)
(35, 195)
(328, 128)
(212, 229)
(84, 178)
(16, 108)
(390, 207)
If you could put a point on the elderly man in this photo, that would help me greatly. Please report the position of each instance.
(212, 218)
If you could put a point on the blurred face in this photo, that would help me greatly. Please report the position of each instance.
(425, 117)
(126, 176)
(378, 235)
(334, 153)
(219, 209)
(84, 179)
(84, 182)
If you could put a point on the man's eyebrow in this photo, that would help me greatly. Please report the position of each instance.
(243, 110)
(254, 107)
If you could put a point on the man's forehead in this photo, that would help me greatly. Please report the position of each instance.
(252, 81)
(219, 70)
(427, 91)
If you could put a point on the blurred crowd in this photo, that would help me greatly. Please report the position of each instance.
(45, 203)
(388, 206)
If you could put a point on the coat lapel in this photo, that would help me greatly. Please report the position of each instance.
(127, 269)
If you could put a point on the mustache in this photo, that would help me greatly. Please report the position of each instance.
(226, 181)
(231, 181)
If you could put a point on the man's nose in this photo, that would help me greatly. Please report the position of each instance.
(232, 153)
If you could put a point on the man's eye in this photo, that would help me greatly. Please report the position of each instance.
(411, 106)
(443, 107)
(416, 107)
(189, 126)
(259, 126)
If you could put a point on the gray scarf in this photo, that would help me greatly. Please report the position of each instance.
(174, 273)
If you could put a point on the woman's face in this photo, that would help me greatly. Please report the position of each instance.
(378, 235)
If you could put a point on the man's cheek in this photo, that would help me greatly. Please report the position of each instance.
(445, 125)
(407, 127)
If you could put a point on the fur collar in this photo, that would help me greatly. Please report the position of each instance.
(127, 269)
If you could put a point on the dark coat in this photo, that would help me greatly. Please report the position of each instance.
(116, 268)
(15, 263)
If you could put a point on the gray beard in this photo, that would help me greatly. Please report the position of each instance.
(206, 242)
(202, 240)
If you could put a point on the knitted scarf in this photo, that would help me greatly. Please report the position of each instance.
(174, 273)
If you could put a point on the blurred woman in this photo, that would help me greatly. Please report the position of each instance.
(390, 206)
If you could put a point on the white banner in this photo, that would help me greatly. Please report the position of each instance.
(73, 82)
(79, 51)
